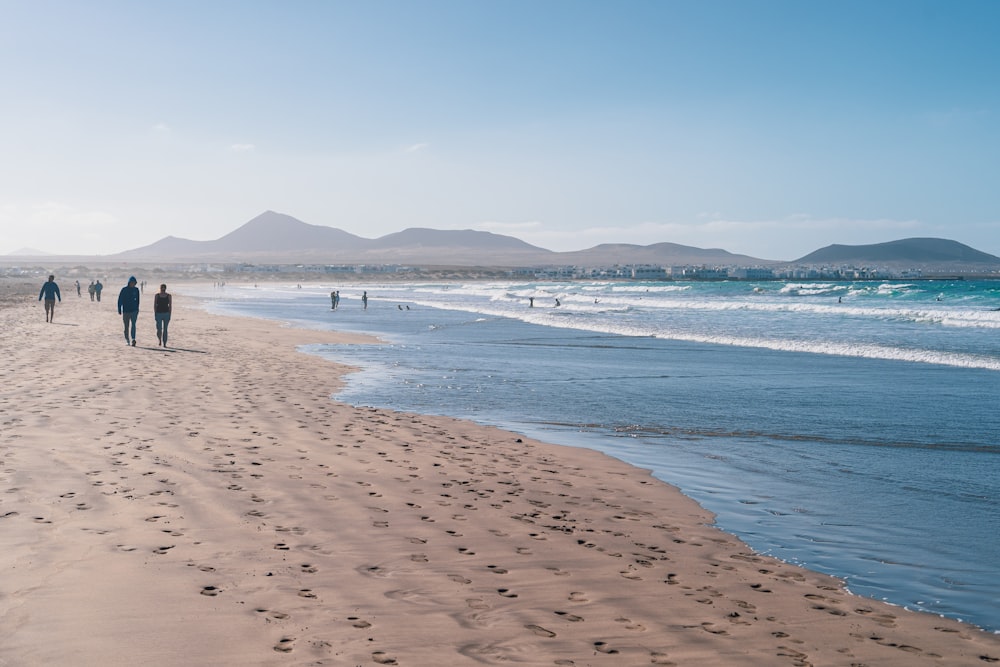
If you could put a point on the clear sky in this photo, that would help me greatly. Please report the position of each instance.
(765, 127)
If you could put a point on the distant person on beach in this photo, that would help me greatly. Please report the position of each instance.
(531, 302)
(97, 290)
(333, 301)
(557, 303)
(78, 288)
(128, 308)
(50, 290)
(336, 299)
(91, 289)
(364, 300)
(162, 305)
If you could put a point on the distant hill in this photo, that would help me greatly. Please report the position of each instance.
(269, 233)
(28, 252)
(915, 252)
(277, 238)
(665, 254)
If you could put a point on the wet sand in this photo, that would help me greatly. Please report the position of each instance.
(209, 504)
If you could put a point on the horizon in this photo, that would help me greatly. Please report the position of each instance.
(769, 129)
(36, 254)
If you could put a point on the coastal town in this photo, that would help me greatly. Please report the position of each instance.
(393, 272)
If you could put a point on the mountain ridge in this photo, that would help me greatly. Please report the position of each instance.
(902, 250)
(278, 238)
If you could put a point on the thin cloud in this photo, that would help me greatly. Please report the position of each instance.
(416, 147)
(242, 148)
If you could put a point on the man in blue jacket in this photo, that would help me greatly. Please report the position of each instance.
(51, 292)
(128, 307)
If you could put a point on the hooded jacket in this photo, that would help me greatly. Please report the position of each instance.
(128, 298)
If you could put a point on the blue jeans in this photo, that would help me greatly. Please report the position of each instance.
(162, 320)
(128, 318)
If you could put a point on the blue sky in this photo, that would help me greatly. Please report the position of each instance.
(768, 127)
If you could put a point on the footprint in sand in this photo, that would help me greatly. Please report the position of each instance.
(383, 658)
(359, 623)
(284, 645)
(630, 624)
(573, 618)
(540, 631)
(210, 591)
(602, 647)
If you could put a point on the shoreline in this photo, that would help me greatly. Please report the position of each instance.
(210, 504)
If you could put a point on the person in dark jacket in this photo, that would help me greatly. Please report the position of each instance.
(162, 305)
(51, 292)
(128, 307)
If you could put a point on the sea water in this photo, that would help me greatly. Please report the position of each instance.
(849, 427)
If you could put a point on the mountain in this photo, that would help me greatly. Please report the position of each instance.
(268, 234)
(279, 238)
(277, 232)
(276, 238)
(665, 254)
(28, 252)
(915, 252)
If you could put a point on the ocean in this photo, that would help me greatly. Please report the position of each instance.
(849, 427)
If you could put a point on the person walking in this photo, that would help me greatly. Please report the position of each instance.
(162, 305)
(50, 290)
(78, 288)
(91, 289)
(364, 300)
(97, 290)
(128, 307)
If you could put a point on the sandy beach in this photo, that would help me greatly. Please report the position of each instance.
(210, 504)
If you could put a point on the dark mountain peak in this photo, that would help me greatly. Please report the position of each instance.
(657, 253)
(455, 238)
(271, 231)
(913, 251)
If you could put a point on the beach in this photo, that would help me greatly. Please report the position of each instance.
(210, 504)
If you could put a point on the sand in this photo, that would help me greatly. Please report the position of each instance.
(210, 504)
